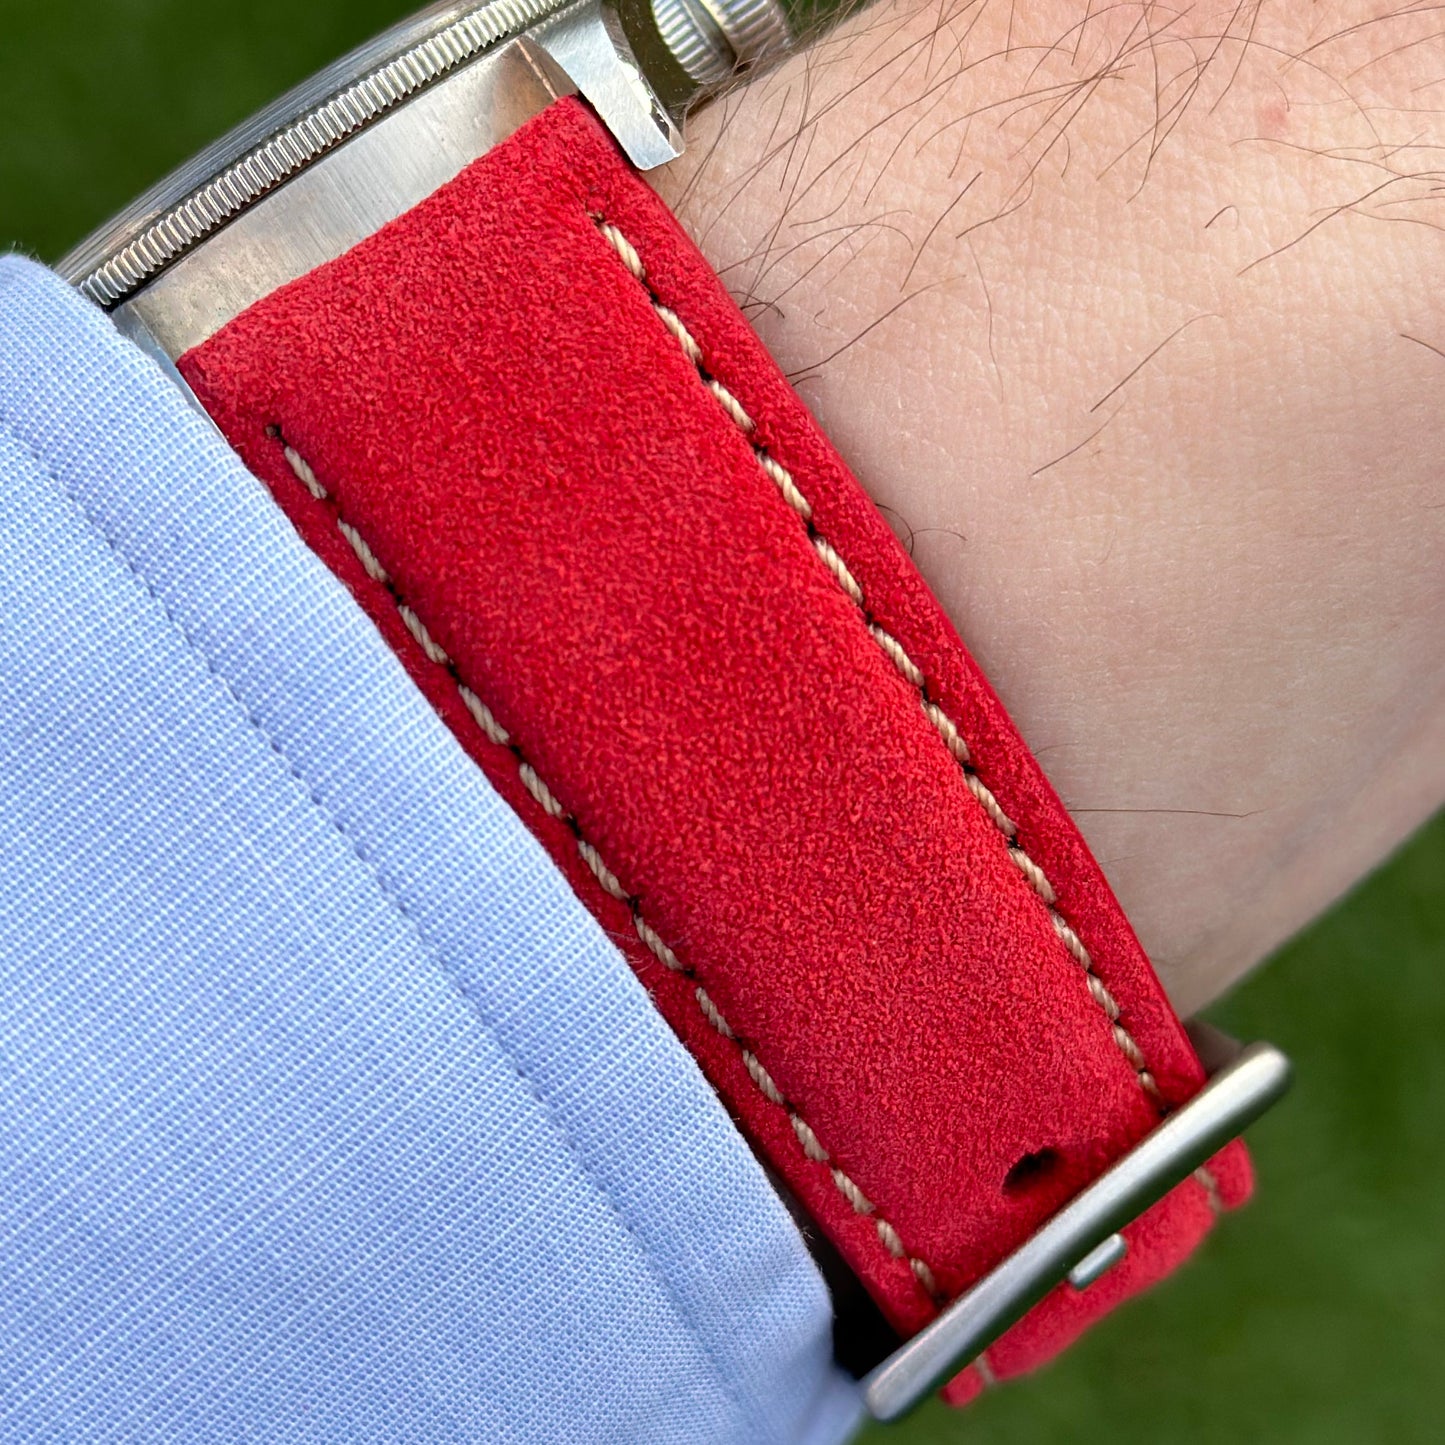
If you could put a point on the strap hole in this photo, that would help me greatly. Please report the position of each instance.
(1031, 1171)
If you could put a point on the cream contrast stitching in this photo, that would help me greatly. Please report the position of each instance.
(1204, 1177)
(607, 880)
(894, 650)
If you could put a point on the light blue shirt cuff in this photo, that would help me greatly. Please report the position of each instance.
(327, 1113)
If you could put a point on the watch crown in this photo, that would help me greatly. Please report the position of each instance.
(710, 39)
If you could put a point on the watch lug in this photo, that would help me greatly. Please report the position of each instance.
(132, 325)
(586, 42)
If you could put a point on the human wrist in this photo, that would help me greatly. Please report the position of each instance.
(1130, 445)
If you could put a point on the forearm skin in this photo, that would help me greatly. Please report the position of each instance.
(1132, 322)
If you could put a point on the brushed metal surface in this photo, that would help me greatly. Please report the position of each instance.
(586, 41)
(362, 93)
(340, 199)
(392, 163)
(285, 136)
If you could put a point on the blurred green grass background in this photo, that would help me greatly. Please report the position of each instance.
(1318, 1315)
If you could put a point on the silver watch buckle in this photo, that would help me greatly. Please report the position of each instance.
(1082, 1240)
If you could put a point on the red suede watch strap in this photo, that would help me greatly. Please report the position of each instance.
(529, 429)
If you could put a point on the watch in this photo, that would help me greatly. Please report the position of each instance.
(431, 301)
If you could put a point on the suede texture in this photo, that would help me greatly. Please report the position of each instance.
(492, 402)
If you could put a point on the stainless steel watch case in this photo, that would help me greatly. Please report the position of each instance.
(369, 137)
